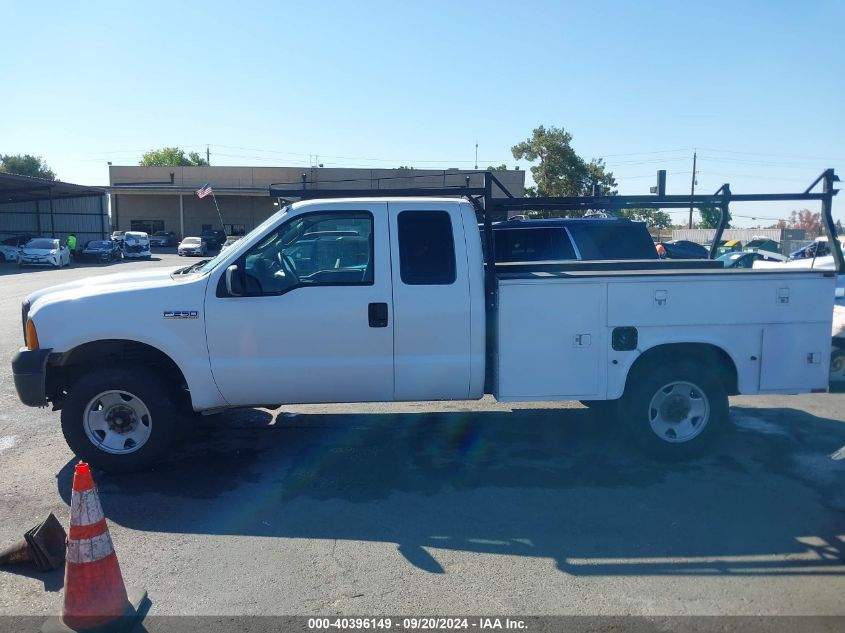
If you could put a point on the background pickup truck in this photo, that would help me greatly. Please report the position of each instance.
(386, 299)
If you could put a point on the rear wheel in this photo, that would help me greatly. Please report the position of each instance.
(119, 420)
(837, 365)
(674, 411)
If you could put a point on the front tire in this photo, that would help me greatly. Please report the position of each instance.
(674, 411)
(120, 420)
(837, 365)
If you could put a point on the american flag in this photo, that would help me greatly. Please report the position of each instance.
(204, 191)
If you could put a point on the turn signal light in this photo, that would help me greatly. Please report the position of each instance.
(31, 336)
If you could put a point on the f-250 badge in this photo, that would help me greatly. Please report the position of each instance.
(181, 314)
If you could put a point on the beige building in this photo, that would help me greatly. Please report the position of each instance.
(164, 198)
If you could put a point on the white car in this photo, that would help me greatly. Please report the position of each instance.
(136, 244)
(44, 251)
(9, 253)
(192, 246)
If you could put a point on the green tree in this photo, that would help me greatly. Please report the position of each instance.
(559, 170)
(501, 167)
(710, 217)
(171, 156)
(26, 165)
(652, 217)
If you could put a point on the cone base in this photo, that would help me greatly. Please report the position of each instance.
(126, 622)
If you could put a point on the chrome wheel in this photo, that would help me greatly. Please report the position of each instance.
(678, 412)
(117, 422)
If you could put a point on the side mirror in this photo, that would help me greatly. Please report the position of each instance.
(233, 281)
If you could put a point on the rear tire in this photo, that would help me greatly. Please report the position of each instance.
(837, 365)
(120, 420)
(674, 411)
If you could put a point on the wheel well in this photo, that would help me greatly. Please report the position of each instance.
(709, 355)
(65, 369)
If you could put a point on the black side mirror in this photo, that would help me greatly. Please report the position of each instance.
(233, 281)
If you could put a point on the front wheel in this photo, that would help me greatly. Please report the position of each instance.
(674, 411)
(837, 365)
(119, 420)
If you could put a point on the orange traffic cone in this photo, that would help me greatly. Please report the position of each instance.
(95, 596)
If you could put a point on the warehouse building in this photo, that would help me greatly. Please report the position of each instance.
(164, 198)
(40, 207)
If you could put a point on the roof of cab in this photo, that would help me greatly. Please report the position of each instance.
(335, 201)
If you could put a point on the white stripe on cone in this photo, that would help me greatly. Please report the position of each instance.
(85, 508)
(89, 550)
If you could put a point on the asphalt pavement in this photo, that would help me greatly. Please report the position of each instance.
(461, 507)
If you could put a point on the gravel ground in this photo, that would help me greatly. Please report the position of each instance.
(439, 508)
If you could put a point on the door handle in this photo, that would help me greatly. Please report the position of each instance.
(377, 314)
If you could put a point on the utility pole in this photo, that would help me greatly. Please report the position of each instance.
(692, 188)
(476, 154)
(207, 155)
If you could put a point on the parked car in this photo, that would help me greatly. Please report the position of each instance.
(682, 249)
(562, 239)
(136, 244)
(118, 236)
(45, 251)
(18, 241)
(817, 248)
(9, 253)
(163, 238)
(100, 251)
(214, 237)
(837, 353)
(229, 241)
(746, 259)
(192, 246)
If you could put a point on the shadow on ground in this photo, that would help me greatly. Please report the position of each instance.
(540, 483)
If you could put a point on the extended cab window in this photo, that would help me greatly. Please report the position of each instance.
(533, 244)
(316, 249)
(426, 248)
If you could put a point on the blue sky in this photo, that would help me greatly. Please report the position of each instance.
(757, 87)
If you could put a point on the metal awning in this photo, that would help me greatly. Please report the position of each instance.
(17, 188)
(185, 190)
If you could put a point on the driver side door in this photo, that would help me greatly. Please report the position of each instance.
(315, 322)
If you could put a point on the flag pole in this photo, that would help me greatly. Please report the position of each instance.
(204, 191)
(219, 215)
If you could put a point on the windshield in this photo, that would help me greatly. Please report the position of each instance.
(191, 240)
(43, 244)
(99, 244)
(212, 264)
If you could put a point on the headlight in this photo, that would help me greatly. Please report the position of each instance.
(53, 252)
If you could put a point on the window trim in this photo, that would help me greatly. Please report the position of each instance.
(451, 237)
(241, 260)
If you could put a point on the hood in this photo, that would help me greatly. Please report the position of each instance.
(103, 284)
(38, 251)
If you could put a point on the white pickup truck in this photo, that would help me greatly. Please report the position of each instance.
(384, 299)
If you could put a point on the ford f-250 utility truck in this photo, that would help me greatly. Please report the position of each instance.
(388, 298)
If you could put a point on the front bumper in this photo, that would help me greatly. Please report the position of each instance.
(29, 369)
(37, 261)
